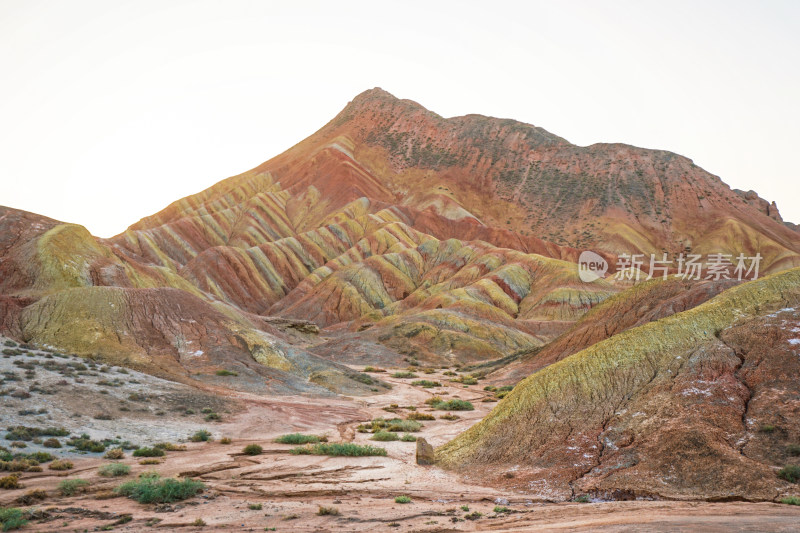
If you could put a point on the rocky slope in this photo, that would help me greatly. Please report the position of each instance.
(700, 404)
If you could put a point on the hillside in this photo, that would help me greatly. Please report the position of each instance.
(699, 404)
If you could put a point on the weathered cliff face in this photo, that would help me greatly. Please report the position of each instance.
(701, 404)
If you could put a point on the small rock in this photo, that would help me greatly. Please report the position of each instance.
(425, 454)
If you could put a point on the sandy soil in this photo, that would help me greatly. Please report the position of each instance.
(292, 488)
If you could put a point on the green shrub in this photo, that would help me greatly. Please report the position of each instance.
(85, 444)
(51, 443)
(26, 433)
(501, 509)
(473, 515)
(409, 438)
(153, 489)
(790, 500)
(255, 506)
(10, 482)
(405, 375)
(170, 447)
(71, 487)
(454, 405)
(345, 449)
(253, 449)
(767, 428)
(114, 470)
(402, 499)
(583, 498)
(328, 511)
(426, 383)
(420, 416)
(11, 518)
(384, 436)
(61, 464)
(226, 373)
(394, 424)
(297, 438)
(408, 426)
(790, 473)
(148, 452)
(213, 417)
(201, 436)
(115, 453)
(465, 508)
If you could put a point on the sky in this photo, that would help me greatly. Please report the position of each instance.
(111, 110)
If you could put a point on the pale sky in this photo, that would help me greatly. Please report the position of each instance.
(110, 110)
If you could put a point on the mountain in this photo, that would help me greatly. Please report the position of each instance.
(402, 234)
(700, 404)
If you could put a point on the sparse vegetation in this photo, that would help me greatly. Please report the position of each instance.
(224, 372)
(790, 473)
(384, 436)
(253, 449)
(225, 440)
(201, 436)
(61, 464)
(10, 482)
(453, 405)
(71, 487)
(12, 518)
(345, 449)
(395, 424)
(51, 443)
(298, 438)
(170, 447)
(402, 499)
(255, 506)
(420, 416)
(767, 428)
(32, 497)
(475, 515)
(499, 509)
(115, 453)
(328, 511)
(404, 375)
(114, 470)
(148, 452)
(426, 383)
(793, 449)
(151, 488)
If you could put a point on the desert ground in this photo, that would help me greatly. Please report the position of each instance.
(278, 489)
